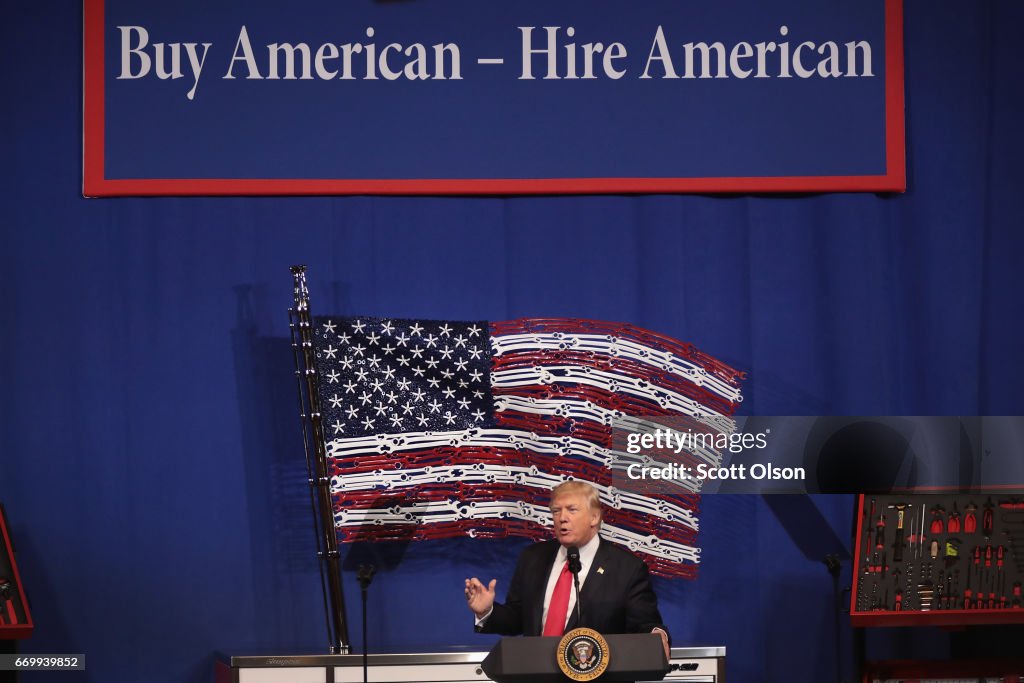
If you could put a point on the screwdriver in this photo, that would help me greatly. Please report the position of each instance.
(967, 591)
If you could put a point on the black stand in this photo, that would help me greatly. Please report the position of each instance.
(834, 566)
(817, 541)
(365, 577)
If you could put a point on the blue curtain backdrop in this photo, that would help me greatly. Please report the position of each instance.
(151, 462)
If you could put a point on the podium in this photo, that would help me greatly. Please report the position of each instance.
(631, 657)
(456, 665)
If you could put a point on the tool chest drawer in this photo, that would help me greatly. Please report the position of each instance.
(938, 559)
(958, 671)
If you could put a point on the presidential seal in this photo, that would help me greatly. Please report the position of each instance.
(583, 654)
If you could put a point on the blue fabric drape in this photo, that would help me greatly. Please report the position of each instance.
(151, 462)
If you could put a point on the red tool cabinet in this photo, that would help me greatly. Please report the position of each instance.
(15, 619)
(938, 559)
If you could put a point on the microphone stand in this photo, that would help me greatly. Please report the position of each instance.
(834, 566)
(573, 556)
(365, 577)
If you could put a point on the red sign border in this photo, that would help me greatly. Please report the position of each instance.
(96, 184)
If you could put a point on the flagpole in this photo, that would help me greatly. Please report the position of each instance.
(301, 324)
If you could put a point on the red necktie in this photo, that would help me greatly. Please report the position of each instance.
(558, 608)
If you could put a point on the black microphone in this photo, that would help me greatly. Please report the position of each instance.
(572, 554)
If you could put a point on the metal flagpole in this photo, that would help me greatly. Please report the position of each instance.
(301, 324)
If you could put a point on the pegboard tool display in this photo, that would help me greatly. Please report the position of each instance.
(938, 559)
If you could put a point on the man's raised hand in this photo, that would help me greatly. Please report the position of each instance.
(480, 598)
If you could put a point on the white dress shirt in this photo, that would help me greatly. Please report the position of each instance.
(587, 553)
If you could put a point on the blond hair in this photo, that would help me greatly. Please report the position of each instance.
(578, 488)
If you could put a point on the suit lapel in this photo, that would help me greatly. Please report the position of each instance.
(544, 571)
(592, 586)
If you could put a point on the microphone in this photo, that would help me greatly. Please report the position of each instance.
(572, 554)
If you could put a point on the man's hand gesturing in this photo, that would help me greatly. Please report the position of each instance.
(480, 598)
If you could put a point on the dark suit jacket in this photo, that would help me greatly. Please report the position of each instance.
(617, 600)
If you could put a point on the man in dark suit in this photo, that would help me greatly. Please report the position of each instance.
(615, 590)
